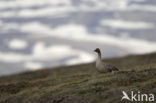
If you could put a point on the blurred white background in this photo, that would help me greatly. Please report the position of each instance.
(35, 34)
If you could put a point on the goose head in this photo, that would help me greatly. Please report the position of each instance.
(97, 50)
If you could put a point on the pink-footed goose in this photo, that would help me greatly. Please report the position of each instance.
(103, 67)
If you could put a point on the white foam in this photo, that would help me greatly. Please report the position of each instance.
(35, 27)
(58, 52)
(17, 44)
(13, 57)
(41, 53)
(33, 65)
(49, 11)
(79, 33)
(30, 3)
(121, 24)
(53, 8)
(50, 7)
(149, 8)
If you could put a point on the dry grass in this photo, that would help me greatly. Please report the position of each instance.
(81, 83)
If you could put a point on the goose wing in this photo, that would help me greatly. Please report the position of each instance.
(111, 67)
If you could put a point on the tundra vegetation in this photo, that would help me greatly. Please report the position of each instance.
(81, 83)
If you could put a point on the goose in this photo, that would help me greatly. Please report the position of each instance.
(103, 67)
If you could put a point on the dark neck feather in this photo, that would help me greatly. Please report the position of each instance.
(99, 55)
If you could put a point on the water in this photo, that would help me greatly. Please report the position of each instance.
(49, 33)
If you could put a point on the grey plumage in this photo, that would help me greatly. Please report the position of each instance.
(110, 67)
(103, 67)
